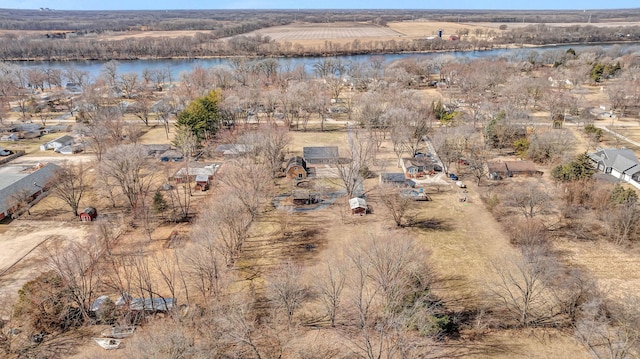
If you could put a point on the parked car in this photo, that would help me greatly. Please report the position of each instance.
(453, 176)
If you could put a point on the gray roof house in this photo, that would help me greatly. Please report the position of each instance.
(620, 163)
(57, 144)
(320, 155)
(396, 179)
(29, 180)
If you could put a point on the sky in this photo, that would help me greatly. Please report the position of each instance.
(325, 4)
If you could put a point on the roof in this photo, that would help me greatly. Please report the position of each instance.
(14, 179)
(296, 161)
(417, 162)
(325, 152)
(497, 167)
(357, 202)
(208, 170)
(622, 160)
(202, 178)
(393, 177)
(234, 148)
(62, 139)
(155, 304)
(520, 166)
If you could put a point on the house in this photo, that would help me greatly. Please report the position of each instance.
(296, 168)
(70, 150)
(9, 137)
(325, 155)
(89, 214)
(186, 174)
(202, 182)
(620, 163)
(29, 182)
(414, 194)
(57, 144)
(522, 168)
(155, 149)
(358, 206)
(396, 179)
(498, 170)
(56, 128)
(417, 166)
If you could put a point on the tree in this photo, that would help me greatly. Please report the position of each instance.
(202, 116)
(249, 182)
(529, 199)
(397, 204)
(286, 289)
(522, 288)
(351, 171)
(330, 286)
(577, 169)
(127, 165)
(70, 185)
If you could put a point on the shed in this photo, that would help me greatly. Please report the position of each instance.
(320, 155)
(358, 206)
(303, 197)
(296, 168)
(88, 215)
(202, 182)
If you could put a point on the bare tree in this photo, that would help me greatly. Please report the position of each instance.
(523, 288)
(329, 287)
(286, 289)
(397, 203)
(250, 183)
(529, 199)
(70, 186)
(127, 165)
(351, 171)
(610, 330)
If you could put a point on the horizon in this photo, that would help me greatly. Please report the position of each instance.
(165, 5)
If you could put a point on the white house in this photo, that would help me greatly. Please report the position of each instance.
(57, 144)
(620, 163)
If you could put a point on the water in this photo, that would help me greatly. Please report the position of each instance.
(178, 66)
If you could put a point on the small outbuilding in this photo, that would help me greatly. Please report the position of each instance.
(89, 214)
(202, 182)
(296, 168)
(358, 206)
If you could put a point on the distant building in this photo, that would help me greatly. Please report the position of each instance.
(57, 144)
(620, 163)
(320, 155)
(358, 206)
(195, 170)
(27, 182)
(498, 170)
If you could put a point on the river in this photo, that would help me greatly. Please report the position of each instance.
(177, 66)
